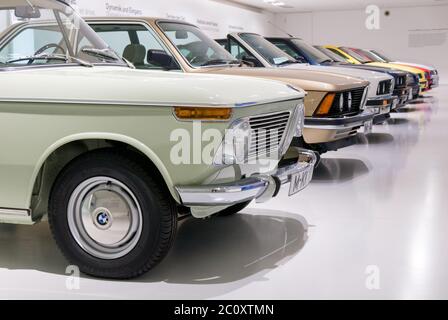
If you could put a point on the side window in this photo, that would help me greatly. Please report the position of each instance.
(238, 51)
(31, 41)
(149, 41)
(222, 43)
(287, 49)
(137, 44)
(117, 40)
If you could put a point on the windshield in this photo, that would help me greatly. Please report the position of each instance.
(361, 58)
(381, 56)
(48, 32)
(368, 55)
(310, 51)
(267, 50)
(196, 47)
(330, 54)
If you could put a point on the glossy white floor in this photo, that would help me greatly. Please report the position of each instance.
(381, 203)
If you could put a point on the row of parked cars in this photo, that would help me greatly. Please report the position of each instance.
(118, 128)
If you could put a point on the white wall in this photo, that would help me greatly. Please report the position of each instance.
(218, 18)
(417, 34)
(397, 36)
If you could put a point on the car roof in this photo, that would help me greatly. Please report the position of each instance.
(150, 20)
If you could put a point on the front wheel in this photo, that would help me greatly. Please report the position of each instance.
(110, 217)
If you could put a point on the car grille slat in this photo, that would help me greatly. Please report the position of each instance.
(268, 132)
(354, 108)
(278, 122)
(263, 119)
(384, 87)
(400, 81)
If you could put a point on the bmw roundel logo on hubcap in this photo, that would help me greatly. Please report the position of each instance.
(102, 218)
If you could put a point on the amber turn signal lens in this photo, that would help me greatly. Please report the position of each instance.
(202, 113)
(385, 103)
(325, 105)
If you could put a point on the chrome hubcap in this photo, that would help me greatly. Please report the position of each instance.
(104, 218)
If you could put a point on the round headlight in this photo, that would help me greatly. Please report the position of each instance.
(301, 119)
(235, 147)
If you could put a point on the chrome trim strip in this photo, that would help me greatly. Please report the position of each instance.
(336, 127)
(14, 212)
(383, 97)
(16, 216)
(141, 103)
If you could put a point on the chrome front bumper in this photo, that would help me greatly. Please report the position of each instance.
(260, 187)
(339, 123)
(435, 81)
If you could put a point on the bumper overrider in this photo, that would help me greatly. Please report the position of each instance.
(381, 108)
(403, 95)
(259, 187)
(434, 81)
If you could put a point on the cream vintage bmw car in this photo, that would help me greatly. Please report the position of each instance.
(115, 155)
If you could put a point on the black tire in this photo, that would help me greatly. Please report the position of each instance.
(158, 214)
(233, 209)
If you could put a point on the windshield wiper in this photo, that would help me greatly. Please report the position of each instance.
(102, 53)
(327, 60)
(59, 57)
(286, 62)
(219, 61)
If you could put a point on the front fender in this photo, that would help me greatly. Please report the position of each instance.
(138, 145)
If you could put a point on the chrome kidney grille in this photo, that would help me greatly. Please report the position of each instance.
(347, 103)
(384, 87)
(400, 81)
(268, 133)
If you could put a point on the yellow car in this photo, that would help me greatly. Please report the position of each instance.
(351, 56)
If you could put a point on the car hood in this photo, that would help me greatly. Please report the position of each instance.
(309, 80)
(396, 66)
(416, 65)
(372, 76)
(374, 68)
(123, 86)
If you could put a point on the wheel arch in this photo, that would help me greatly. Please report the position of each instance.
(75, 145)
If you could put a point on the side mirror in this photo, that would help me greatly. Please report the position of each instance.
(161, 58)
(300, 59)
(27, 12)
(251, 61)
